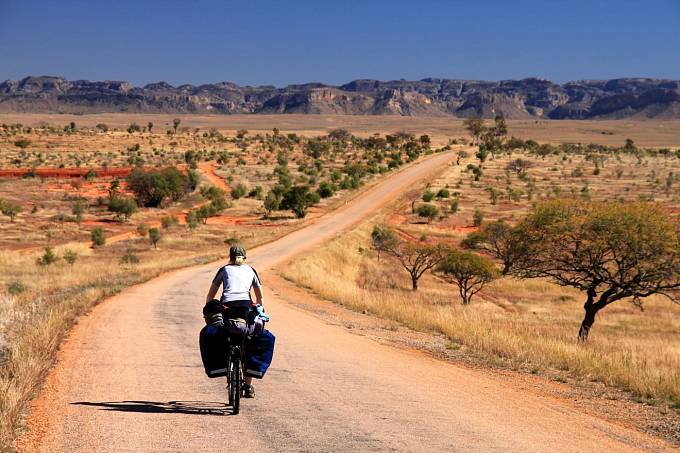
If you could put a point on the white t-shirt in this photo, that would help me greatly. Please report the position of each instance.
(236, 281)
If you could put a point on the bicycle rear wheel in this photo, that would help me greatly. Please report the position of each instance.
(230, 396)
(235, 386)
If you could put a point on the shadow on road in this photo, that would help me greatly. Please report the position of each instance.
(154, 407)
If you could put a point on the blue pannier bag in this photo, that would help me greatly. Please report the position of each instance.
(213, 342)
(259, 354)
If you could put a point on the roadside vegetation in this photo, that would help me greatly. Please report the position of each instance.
(535, 256)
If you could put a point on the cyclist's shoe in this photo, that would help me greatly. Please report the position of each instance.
(249, 391)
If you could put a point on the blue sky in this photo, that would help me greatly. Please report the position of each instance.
(282, 42)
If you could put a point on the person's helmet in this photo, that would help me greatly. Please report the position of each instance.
(236, 251)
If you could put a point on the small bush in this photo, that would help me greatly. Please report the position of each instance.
(129, 257)
(152, 187)
(15, 288)
(123, 207)
(477, 217)
(22, 143)
(239, 191)
(70, 256)
(98, 237)
(154, 236)
(255, 192)
(49, 257)
(428, 196)
(454, 205)
(326, 189)
(428, 211)
(142, 229)
(443, 193)
(167, 222)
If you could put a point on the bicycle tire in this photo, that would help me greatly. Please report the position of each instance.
(236, 386)
(230, 396)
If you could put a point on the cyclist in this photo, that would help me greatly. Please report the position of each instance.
(237, 279)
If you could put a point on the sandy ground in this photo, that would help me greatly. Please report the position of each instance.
(130, 378)
(608, 132)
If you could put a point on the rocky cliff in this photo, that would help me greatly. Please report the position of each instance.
(514, 99)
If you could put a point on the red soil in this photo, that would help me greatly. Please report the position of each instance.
(208, 169)
(64, 172)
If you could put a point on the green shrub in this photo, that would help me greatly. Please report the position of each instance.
(454, 205)
(152, 187)
(9, 209)
(477, 217)
(326, 189)
(256, 192)
(191, 219)
(154, 236)
(98, 237)
(15, 288)
(123, 207)
(428, 211)
(49, 257)
(443, 193)
(142, 229)
(129, 257)
(298, 199)
(428, 196)
(168, 221)
(70, 256)
(239, 191)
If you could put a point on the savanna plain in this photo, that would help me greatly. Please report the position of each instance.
(95, 203)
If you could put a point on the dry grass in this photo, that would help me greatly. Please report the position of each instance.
(607, 132)
(530, 325)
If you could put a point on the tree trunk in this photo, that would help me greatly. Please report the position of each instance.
(463, 295)
(588, 321)
(414, 282)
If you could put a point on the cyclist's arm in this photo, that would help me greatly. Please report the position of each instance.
(258, 294)
(212, 292)
(257, 287)
(217, 281)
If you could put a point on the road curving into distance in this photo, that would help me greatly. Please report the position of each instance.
(129, 378)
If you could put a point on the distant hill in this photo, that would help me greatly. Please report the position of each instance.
(514, 99)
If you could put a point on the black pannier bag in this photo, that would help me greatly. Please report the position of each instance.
(213, 343)
(259, 354)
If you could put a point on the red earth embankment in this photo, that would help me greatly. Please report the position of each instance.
(64, 172)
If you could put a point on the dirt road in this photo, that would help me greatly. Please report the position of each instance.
(130, 379)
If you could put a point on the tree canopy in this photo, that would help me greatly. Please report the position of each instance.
(611, 251)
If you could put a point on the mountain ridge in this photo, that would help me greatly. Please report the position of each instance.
(515, 99)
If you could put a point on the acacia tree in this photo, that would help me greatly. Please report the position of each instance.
(416, 259)
(154, 236)
(493, 138)
(383, 239)
(175, 124)
(123, 207)
(468, 271)
(519, 166)
(475, 126)
(501, 240)
(611, 251)
(9, 209)
(298, 199)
